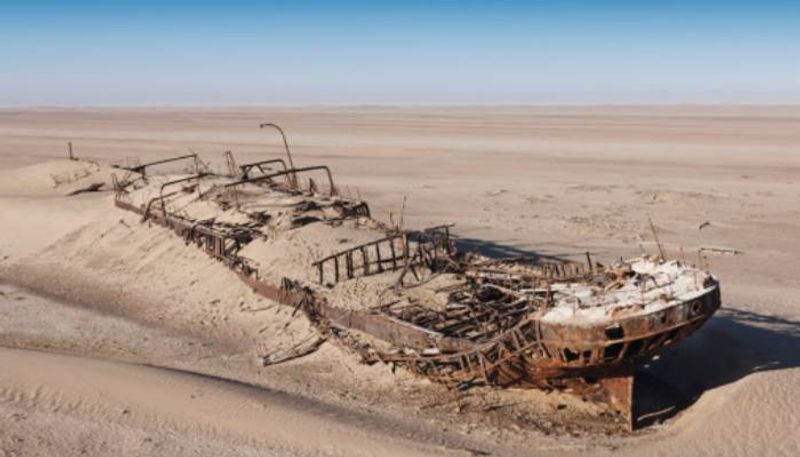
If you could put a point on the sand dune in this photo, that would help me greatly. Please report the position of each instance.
(205, 414)
(98, 295)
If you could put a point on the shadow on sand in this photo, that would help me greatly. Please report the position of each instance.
(731, 345)
(498, 250)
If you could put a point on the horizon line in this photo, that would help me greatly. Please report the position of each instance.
(396, 105)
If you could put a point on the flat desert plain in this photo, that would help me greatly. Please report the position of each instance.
(140, 345)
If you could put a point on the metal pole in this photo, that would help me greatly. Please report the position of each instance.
(655, 237)
(286, 146)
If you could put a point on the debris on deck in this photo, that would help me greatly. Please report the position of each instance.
(461, 319)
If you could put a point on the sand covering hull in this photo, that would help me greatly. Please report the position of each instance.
(507, 322)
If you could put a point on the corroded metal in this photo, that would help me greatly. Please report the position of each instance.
(494, 328)
(292, 176)
(142, 168)
(288, 172)
(399, 249)
(260, 165)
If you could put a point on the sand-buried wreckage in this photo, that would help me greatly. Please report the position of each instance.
(407, 297)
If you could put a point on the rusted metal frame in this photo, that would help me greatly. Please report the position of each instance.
(293, 176)
(394, 254)
(212, 240)
(127, 206)
(115, 184)
(415, 314)
(119, 185)
(141, 169)
(359, 210)
(183, 226)
(161, 195)
(486, 352)
(378, 325)
(378, 260)
(484, 317)
(363, 249)
(364, 258)
(292, 171)
(497, 352)
(433, 235)
(356, 248)
(388, 329)
(646, 346)
(245, 168)
(312, 186)
(513, 264)
(423, 238)
(498, 273)
(680, 333)
(362, 209)
(629, 336)
(148, 212)
(482, 349)
(349, 264)
(492, 364)
(220, 238)
(504, 355)
(196, 177)
(230, 161)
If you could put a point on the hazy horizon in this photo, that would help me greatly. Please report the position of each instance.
(396, 105)
(91, 53)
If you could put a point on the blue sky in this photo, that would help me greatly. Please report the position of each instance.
(406, 52)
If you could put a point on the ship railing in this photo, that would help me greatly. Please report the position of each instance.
(393, 252)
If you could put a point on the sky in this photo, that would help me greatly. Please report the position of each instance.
(84, 52)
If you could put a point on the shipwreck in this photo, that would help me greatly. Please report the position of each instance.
(409, 297)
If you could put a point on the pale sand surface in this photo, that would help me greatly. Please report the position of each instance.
(119, 339)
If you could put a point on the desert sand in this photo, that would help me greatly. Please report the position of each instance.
(117, 339)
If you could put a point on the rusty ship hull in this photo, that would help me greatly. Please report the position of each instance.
(555, 324)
